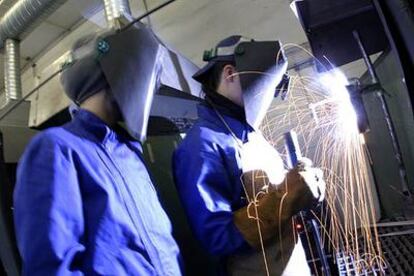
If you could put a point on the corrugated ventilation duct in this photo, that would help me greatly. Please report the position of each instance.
(24, 16)
(18, 21)
(12, 82)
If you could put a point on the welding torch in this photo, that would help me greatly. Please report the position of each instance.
(294, 157)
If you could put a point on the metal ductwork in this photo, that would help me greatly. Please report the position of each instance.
(12, 81)
(17, 22)
(116, 10)
(24, 16)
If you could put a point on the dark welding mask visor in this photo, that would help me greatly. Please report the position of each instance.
(224, 51)
(262, 67)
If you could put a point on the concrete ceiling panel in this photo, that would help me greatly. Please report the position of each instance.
(72, 12)
(193, 26)
(37, 40)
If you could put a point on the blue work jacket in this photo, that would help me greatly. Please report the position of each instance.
(207, 171)
(85, 204)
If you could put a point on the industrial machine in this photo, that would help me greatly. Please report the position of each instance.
(341, 32)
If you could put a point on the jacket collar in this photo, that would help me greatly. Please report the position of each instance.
(225, 106)
(91, 127)
(209, 114)
(233, 114)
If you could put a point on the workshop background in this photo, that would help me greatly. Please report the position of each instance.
(32, 99)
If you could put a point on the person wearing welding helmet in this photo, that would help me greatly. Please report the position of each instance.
(228, 175)
(84, 201)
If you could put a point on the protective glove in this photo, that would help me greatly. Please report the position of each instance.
(274, 205)
(304, 186)
(268, 210)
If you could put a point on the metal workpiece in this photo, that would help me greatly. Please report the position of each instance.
(12, 81)
(24, 16)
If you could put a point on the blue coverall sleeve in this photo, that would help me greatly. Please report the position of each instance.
(206, 190)
(48, 210)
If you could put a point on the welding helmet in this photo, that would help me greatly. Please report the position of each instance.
(261, 66)
(128, 64)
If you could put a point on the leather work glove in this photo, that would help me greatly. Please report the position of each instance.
(304, 185)
(275, 205)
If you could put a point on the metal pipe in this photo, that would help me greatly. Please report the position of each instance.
(366, 58)
(17, 22)
(24, 16)
(115, 9)
(12, 81)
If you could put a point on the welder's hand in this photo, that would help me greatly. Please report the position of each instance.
(273, 216)
(314, 179)
(304, 186)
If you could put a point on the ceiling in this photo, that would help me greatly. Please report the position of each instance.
(189, 26)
